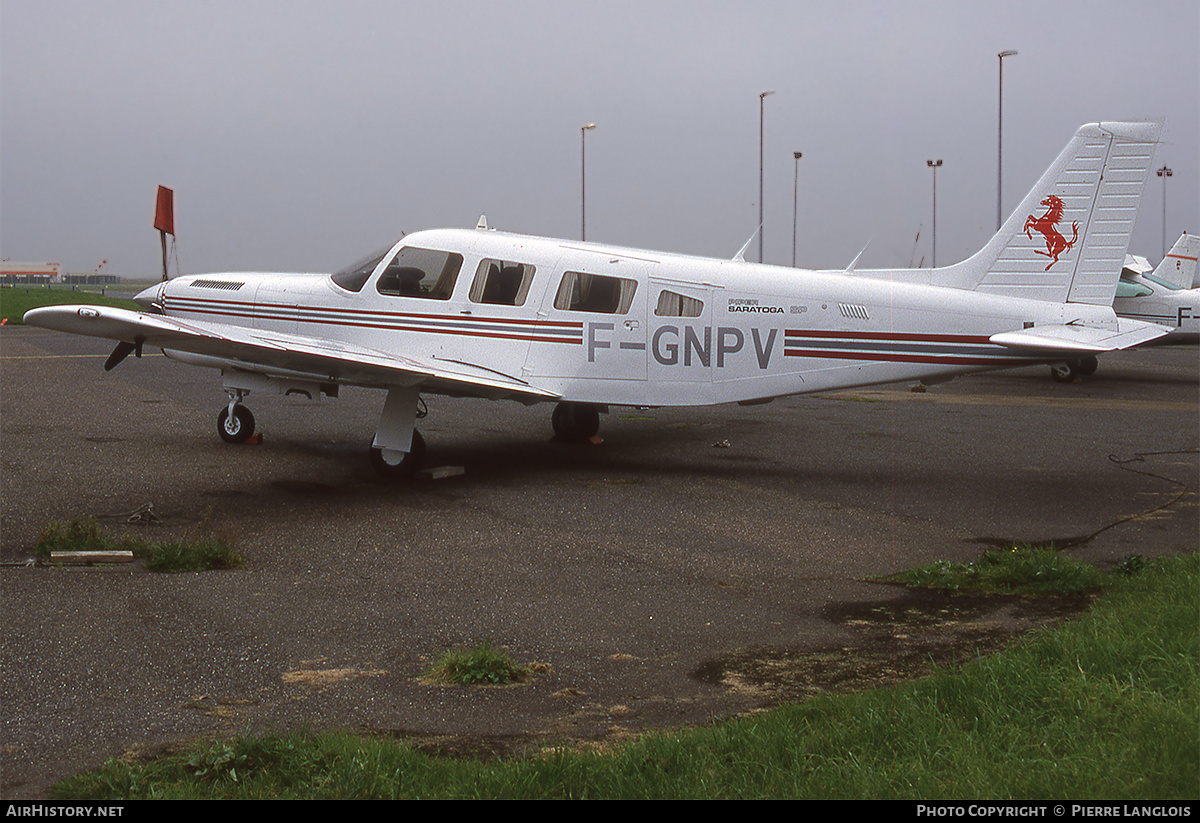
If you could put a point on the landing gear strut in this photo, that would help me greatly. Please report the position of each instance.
(398, 449)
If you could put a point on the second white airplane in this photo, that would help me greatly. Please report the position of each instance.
(1164, 295)
(586, 326)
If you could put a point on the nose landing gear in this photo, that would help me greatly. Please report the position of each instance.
(235, 423)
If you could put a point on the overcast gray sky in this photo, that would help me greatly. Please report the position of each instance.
(301, 134)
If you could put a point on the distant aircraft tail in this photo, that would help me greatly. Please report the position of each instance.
(1067, 240)
(1179, 266)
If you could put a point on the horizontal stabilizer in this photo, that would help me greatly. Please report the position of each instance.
(1081, 339)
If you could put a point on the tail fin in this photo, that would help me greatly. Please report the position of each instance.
(1179, 266)
(1067, 240)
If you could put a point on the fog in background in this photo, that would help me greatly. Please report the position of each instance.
(300, 135)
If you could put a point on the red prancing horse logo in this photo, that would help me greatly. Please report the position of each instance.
(1056, 244)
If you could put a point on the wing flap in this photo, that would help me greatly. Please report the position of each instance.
(331, 360)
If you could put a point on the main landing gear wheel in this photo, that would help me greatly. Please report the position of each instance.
(575, 421)
(393, 470)
(1067, 372)
(237, 427)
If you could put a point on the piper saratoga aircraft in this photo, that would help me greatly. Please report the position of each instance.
(585, 326)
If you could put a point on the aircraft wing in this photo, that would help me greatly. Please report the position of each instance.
(1081, 340)
(291, 354)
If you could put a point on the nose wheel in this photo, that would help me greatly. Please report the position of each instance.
(235, 424)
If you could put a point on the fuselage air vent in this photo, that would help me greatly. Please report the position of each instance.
(227, 285)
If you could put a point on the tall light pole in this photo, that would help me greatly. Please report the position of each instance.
(1164, 173)
(583, 130)
(761, 97)
(933, 164)
(795, 203)
(1000, 140)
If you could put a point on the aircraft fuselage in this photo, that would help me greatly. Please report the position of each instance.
(599, 324)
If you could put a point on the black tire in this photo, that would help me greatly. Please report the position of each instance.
(1065, 372)
(575, 421)
(1088, 365)
(236, 429)
(407, 467)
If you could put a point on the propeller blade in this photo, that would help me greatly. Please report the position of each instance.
(122, 351)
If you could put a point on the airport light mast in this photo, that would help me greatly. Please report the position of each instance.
(761, 97)
(934, 164)
(1000, 140)
(1164, 173)
(583, 130)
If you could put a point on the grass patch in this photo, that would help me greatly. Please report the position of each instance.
(1105, 707)
(480, 664)
(1031, 570)
(17, 300)
(202, 551)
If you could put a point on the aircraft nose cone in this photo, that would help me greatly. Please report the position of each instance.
(149, 298)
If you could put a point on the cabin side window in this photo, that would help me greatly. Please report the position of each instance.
(501, 282)
(595, 293)
(423, 273)
(672, 304)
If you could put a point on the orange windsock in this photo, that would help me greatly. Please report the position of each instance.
(164, 215)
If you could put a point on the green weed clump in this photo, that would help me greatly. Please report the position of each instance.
(76, 536)
(480, 664)
(200, 552)
(1018, 570)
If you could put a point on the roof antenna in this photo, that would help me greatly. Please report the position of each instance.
(854, 262)
(740, 257)
(916, 240)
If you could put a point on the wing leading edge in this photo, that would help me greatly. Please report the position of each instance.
(326, 360)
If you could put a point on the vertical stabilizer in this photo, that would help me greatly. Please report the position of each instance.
(1179, 266)
(1067, 240)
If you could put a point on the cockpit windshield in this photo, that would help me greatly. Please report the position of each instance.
(354, 276)
(1158, 281)
(1128, 288)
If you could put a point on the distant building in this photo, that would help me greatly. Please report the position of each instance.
(91, 279)
(30, 273)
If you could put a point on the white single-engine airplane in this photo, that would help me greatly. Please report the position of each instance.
(489, 314)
